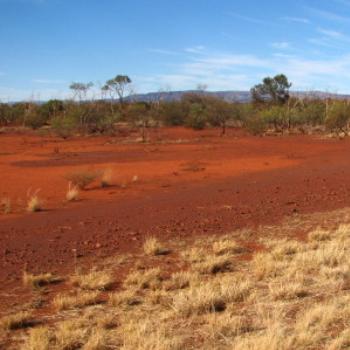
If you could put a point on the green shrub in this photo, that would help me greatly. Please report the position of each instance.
(35, 120)
(172, 113)
(197, 117)
(274, 116)
(64, 126)
(255, 125)
(338, 117)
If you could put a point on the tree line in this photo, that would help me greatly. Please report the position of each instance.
(272, 108)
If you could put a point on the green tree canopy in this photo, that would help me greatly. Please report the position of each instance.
(274, 90)
(117, 86)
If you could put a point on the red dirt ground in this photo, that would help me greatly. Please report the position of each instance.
(190, 183)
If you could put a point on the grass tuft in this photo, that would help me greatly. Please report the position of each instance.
(226, 246)
(93, 280)
(18, 320)
(149, 279)
(40, 280)
(34, 203)
(106, 178)
(72, 192)
(82, 178)
(153, 247)
(66, 302)
(6, 206)
(214, 264)
(39, 339)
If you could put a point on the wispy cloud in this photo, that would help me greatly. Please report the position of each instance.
(330, 33)
(327, 15)
(249, 19)
(227, 71)
(195, 49)
(281, 45)
(330, 38)
(163, 52)
(296, 19)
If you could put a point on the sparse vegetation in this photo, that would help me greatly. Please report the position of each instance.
(40, 280)
(226, 246)
(152, 246)
(93, 280)
(272, 109)
(38, 339)
(65, 302)
(149, 279)
(72, 192)
(293, 295)
(82, 178)
(15, 321)
(6, 206)
(34, 203)
(106, 178)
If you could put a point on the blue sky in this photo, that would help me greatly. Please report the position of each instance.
(171, 44)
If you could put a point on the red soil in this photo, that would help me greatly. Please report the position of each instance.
(190, 183)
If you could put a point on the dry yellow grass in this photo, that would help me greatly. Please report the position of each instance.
(127, 297)
(6, 206)
(106, 178)
(211, 296)
(152, 246)
(98, 340)
(214, 264)
(82, 178)
(40, 280)
(38, 339)
(226, 246)
(319, 235)
(295, 296)
(65, 302)
(72, 192)
(15, 321)
(70, 335)
(93, 280)
(34, 203)
(180, 280)
(149, 279)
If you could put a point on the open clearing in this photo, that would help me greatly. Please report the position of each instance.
(182, 188)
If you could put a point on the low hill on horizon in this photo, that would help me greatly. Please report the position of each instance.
(230, 96)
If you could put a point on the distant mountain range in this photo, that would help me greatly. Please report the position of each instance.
(230, 96)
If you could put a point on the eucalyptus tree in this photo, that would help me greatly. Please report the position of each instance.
(117, 87)
(275, 90)
(80, 90)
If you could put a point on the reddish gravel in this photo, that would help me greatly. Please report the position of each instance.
(196, 187)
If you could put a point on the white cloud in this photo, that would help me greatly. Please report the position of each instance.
(249, 19)
(328, 15)
(163, 52)
(296, 19)
(282, 45)
(331, 33)
(225, 71)
(195, 49)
